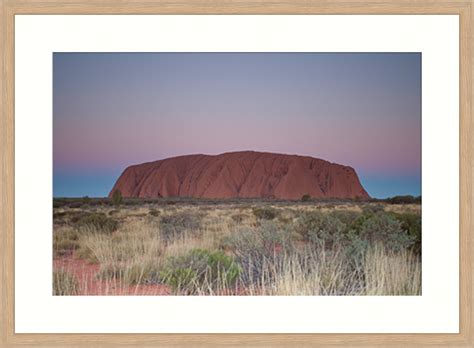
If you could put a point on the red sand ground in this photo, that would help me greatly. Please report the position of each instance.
(245, 174)
(85, 274)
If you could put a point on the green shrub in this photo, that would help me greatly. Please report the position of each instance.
(306, 198)
(254, 247)
(383, 228)
(285, 220)
(412, 224)
(239, 217)
(117, 197)
(347, 217)
(98, 221)
(320, 228)
(59, 215)
(265, 213)
(74, 216)
(372, 209)
(67, 217)
(154, 212)
(407, 199)
(173, 226)
(200, 270)
(64, 284)
(356, 232)
(181, 279)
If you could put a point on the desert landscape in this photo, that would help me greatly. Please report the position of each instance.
(146, 239)
(236, 174)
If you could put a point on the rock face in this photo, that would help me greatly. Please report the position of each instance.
(240, 174)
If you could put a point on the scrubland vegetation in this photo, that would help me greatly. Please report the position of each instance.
(238, 247)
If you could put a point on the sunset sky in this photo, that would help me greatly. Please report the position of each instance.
(112, 110)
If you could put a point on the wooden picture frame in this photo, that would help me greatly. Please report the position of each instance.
(10, 8)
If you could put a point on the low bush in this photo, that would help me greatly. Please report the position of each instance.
(347, 217)
(99, 222)
(412, 224)
(285, 220)
(117, 197)
(255, 247)
(265, 213)
(239, 217)
(200, 270)
(175, 225)
(320, 228)
(154, 212)
(68, 217)
(356, 232)
(58, 215)
(64, 284)
(407, 199)
(306, 198)
(57, 203)
(381, 228)
(372, 209)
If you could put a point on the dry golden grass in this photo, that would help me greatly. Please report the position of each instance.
(142, 247)
(389, 273)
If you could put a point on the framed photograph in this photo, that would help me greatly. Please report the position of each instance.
(236, 173)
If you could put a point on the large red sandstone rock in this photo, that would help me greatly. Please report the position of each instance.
(240, 174)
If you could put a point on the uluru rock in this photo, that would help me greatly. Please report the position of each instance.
(245, 174)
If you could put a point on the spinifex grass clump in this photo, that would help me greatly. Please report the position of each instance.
(64, 284)
(136, 242)
(65, 240)
(387, 272)
(200, 271)
(130, 272)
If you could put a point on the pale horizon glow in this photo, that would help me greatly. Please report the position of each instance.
(112, 110)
